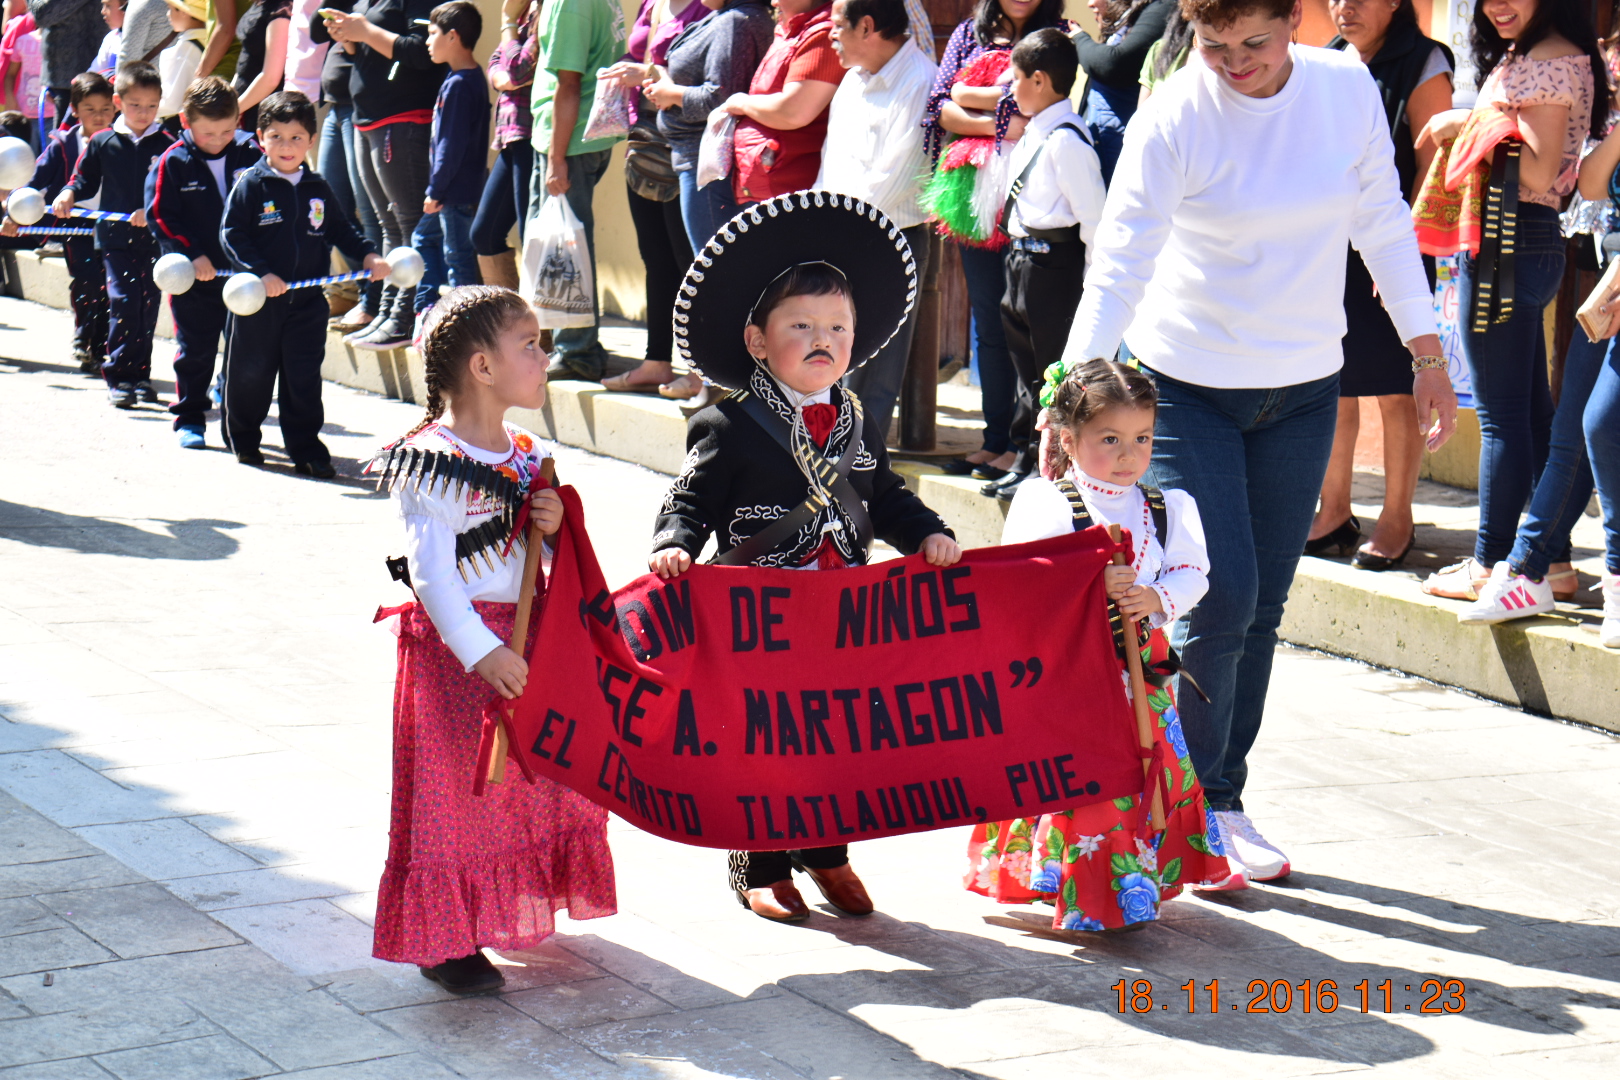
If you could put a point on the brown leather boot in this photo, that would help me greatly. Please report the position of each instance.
(499, 270)
(779, 901)
(842, 889)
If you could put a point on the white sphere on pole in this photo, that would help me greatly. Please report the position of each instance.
(243, 294)
(174, 273)
(25, 205)
(16, 163)
(405, 267)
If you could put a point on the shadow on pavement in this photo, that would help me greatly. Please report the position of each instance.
(193, 539)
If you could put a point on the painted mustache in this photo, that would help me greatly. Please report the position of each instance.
(818, 352)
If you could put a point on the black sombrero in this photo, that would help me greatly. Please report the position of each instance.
(768, 238)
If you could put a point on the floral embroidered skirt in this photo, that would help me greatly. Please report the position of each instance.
(466, 871)
(1090, 860)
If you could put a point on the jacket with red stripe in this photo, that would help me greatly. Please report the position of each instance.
(55, 166)
(184, 206)
(115, 166)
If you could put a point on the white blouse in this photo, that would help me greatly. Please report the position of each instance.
(1176, 568)
(432, 523)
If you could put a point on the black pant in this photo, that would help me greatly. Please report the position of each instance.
(757, 869)
(87, 293)
(284, 342)
(1043, 292)
(395, 160)
(199, 319)
(132, 306)
(666, 253)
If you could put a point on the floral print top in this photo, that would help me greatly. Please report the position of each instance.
(960, 52)
(1519, 82)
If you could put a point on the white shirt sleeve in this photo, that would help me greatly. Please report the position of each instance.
(1184, 578)
(430, 547)
(1038, 511)
(1148, 186)
(1080, 180)
(1382, 232)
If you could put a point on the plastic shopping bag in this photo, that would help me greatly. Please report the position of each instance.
(556, 273)
(714, 152)
(610, 110)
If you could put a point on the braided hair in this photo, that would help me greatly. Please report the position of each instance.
(1089, 389)
(466, 320)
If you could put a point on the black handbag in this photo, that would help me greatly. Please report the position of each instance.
(648, 169)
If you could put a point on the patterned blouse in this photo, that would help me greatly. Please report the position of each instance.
(1519, 82)
(960, 52)
(514, 59)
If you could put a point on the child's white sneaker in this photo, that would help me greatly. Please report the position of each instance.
(1506, 595)
(1609, 633)
(1257, 858)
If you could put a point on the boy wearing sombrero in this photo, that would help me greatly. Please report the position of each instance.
(787, 471)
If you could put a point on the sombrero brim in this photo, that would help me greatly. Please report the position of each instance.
(767, 238)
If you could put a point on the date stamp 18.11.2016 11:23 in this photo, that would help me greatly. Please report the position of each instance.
(1435, 996)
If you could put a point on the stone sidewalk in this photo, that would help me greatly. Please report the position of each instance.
(194, 760)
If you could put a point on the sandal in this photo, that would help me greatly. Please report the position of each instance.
(682, 389)
(1459, 581)
(621, 384)
(1565, 582)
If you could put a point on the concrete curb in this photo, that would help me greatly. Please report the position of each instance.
(1549, 665)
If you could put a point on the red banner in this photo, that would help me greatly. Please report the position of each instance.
(757, 709)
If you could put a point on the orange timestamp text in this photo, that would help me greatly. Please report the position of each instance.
(1432, 996)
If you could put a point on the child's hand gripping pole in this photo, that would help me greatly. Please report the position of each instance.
(1139, 701)
(520, 624)
(244, 293)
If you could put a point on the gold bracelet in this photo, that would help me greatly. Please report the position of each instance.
(1424, 363)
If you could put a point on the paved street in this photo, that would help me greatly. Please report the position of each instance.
(194, 772)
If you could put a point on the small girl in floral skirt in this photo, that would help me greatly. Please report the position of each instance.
(1091, 861)
(466, 871)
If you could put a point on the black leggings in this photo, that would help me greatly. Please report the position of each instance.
(667, 253)
(394, 163)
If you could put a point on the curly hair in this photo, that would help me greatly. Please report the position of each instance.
(1223, 13)
(1089, 389)
(466, 320)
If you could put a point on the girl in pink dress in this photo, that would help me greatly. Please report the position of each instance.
(469, 871)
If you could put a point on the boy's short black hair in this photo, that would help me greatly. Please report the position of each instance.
(806, 279)
(88, 84)
(287, 107)
(462, 18)
(210, 98)
(137, 75)
(1051, 51)
(889, 17)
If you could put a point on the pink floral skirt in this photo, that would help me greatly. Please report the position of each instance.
(466, 871)
(1092, 863)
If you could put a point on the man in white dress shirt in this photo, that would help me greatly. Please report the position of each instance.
(874, 151)
(1051, 214)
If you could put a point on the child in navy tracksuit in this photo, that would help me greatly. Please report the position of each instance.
(185, 204)
(281, 223)
(92, 97)
(113, 168)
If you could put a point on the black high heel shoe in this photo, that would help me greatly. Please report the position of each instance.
(1366, 560)
(1345, 538)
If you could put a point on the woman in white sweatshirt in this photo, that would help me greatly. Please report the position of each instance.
(1220, 261)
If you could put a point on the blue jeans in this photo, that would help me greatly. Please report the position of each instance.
(1107, 112)
(1565, 483)
(1602, 424)
(444, 240)
(505, 200)
(340, 168)
(1254, 461)
(579, 347)
(704, 210)
(1508, 363)
(986, 273)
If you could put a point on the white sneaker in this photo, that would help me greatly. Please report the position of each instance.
(1609, 633)
(1506, 595)
(1257, 858)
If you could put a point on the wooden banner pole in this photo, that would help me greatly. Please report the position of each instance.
(1139, 701)
(520, 623)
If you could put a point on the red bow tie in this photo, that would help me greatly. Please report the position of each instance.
(819, 420)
